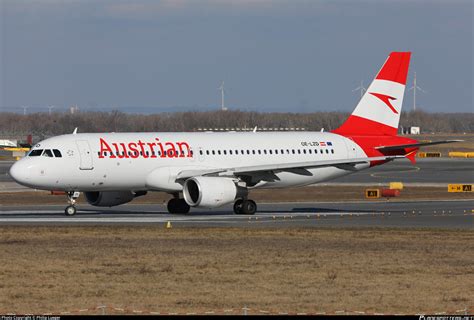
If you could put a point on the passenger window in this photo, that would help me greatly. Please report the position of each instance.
(321, 150)
(293, 151)
(225, 152)
(259, 151)
(57, 153)
(213, 152)
(207, 152)
(309, 150)
(218, 152)
(253, 151)
(270, 151)
(47, 153)
(200, 152)
(332, 150)
(248, 151)
(299, 151)
(230, 152)
(35, 153)
(327, 151)
(304, 151)
(265, 151)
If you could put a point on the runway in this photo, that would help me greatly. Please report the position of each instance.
(416, 214)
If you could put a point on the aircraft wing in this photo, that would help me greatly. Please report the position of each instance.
(411, 145)
(248, 170)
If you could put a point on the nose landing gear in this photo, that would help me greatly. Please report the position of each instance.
(71, 208)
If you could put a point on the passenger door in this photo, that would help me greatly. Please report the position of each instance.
(351, 148)
(85, 155)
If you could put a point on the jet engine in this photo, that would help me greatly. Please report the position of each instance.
(111, 198)
(211, 192)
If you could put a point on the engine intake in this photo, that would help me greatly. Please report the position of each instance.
(210, 192)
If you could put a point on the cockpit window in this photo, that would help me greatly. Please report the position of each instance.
(57, 153)
(47, 153)
(35, 153)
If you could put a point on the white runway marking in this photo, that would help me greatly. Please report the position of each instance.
(130, 217)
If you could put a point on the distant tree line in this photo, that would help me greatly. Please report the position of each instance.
(42, 125)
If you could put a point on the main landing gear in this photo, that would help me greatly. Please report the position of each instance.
(245, 206)
(177, 205)
(71, 208)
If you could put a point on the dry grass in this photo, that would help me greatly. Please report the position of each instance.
(306, 194)
(195, 270)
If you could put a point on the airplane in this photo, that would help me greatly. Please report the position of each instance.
(7, 144)
(211, 169)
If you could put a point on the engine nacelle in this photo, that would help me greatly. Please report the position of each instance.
(108, 198)
(210, 192)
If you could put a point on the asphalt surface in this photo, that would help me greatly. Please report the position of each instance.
(416, 214)
(438, 214)
(425, 171)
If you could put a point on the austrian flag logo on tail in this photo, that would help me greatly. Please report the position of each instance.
(386, 99)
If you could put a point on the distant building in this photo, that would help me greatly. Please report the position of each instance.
(73, 109)
(411, 130)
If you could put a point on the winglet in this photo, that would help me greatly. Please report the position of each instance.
(411, 156)
(75, 131)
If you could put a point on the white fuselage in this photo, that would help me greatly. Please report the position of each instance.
(136, 161)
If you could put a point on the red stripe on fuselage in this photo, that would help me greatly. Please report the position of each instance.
(369, 143)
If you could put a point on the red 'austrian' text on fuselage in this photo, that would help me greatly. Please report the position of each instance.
(155, 149)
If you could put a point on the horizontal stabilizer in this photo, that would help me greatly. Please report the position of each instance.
(414, 145)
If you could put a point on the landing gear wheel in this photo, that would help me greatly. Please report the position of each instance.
(238, 206)
(70, 210)
(71, 197)
(178, 206)
(249, 207)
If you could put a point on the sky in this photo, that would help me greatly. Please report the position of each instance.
(274, 55)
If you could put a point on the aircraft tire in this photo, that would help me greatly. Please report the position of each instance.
(178, 206)
(238, 206)
(249, 207)
(70, 211)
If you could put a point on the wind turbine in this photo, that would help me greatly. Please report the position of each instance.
(361, 88)
(50, 108)
(221, 88)
(414, 88)
(24, 110)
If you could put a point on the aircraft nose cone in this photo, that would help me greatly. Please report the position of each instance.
(19, 173)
